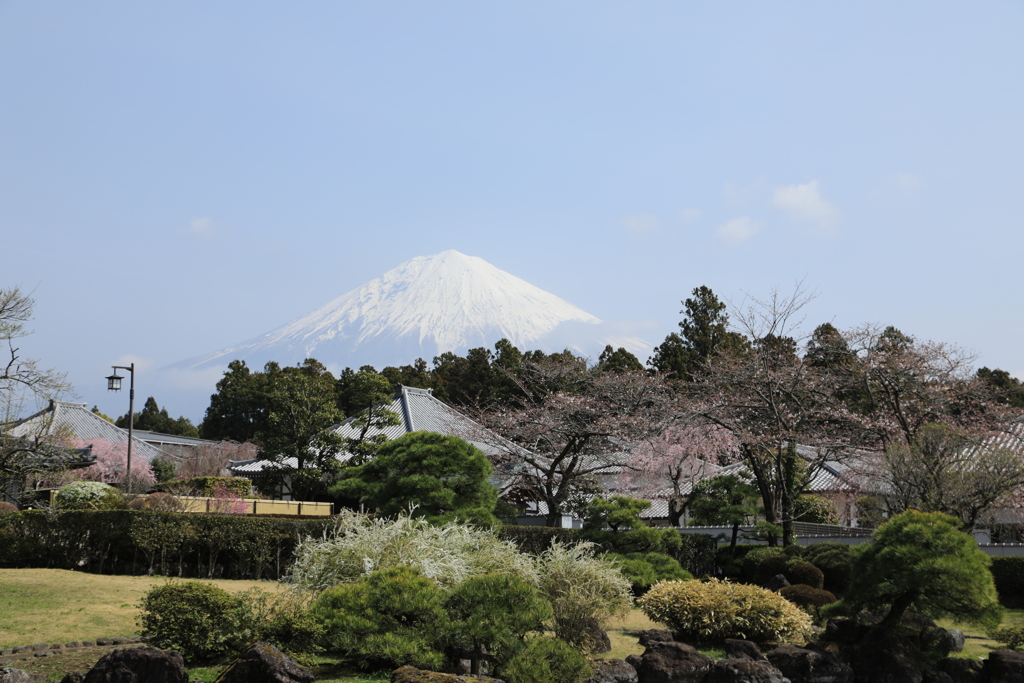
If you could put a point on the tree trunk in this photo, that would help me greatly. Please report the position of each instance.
(735, 533)
(899, 606)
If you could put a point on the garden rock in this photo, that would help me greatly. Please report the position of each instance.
(1003, 666)
(597, 637)
(665, 662)
(409, 674)
(941, 640)
(936, 677)
(73, 677)
(744, 671)
(844, 631)
(885, 657)
(264, 663)
(654, 635)
(612, 671)
(742, 649)
(801, 665)
(777, 582)
(961, 670)
(139, 665)
(9, 674)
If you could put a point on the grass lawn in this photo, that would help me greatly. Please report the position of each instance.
(57, 605)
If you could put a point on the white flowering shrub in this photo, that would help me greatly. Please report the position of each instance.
(87, 495)
(359, 545)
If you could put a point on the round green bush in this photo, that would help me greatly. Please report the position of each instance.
(807, 597)
(835, 562)
(7, 507)
(88, 495)
(646, 569)
(752, 559)
(714, 610)
(769, 567)
(392, 618)
(194, 618)
(1008, 573)
(546, 660)
(805, 573)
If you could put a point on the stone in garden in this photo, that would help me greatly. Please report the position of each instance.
(944, 641)
(121, 641)
(39, 647)
(777, 582)
(654, 635)
(960, 669)
(597, 637)
(264, 663)
(936, 677)
(1003, 666)
(886, 657)
(409, 674)
(803, 665)
(742, 649)
(22, 648)
(612, 671)
(73, 677)
(138, 665)
(844, 631)
(73, 643)
(744, 671)
(88, 643)
(103, 642)
(9, 674)
(670, 662)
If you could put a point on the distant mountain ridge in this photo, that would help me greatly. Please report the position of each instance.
(424, 307)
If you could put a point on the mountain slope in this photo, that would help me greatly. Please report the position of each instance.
(431, 304)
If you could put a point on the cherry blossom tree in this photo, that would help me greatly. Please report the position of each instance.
(111, 464)
(666, 466)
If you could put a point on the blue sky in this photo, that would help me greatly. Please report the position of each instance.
(179, 177)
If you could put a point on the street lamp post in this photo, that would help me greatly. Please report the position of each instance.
(114, 384)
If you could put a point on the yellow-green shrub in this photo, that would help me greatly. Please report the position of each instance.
(714, 610)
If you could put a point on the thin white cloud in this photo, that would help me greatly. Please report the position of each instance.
(737, 231)
(641, 224)
(804, 202)
(204, 227)
(907, 182)
(690, 215)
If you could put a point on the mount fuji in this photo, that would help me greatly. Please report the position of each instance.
(424, 307)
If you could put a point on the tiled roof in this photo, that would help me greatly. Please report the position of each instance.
(157, 439)
(417, 410)
(78, 420)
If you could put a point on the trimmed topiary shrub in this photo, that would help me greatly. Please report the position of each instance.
(7, 507)
(646, 569)
(773, 565)
(807, 598)
(391, 618)
(196, 619)
(714, 610)
(88, 495)
(835, 562)
(1008, 573)
(805, 573)
(544, 660)
(752, 560)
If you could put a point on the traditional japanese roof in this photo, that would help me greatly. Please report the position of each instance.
(77, 420)
(157, 439)
(417, 411)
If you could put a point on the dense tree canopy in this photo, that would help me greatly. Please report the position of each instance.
(153, 418)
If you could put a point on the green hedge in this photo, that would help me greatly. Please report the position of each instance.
(167, 543)
(1008, 573)
(695, 552)
(205, 486)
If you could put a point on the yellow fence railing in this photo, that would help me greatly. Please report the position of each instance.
(251, 506)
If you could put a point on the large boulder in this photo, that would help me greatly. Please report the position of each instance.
(73, 677)
(884, 656)
(960, 669)
(654, 635)
(1003, 666)
(139, 665)
(744, 671)
(844, 631)
(803, 665)
(670, 662)
(612, 671)
(742, 649)
(409, 674)
(776, 583)
(944, 641)
(597, 637)
(8, 674)
(264, 663)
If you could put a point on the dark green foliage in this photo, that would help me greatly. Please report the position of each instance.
(615, 512)
(192, 617)
(804, 573)
(620, 360)
(392, 618)
(1009, 389)
(770, 566)
(493, 614)
(835, 562)
(163, 468)
(811, 600)
(366, 396)
(546, 660)
(723, 499)
(703, 331)
(1011, 636)
(646, 569)
(236, 411)
(814, 510)
(153, 418)
(1008, 573)
(207, 486)
(923, 561)
(536, 539)
(443, 477)
(752, 560)
(133, 542)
